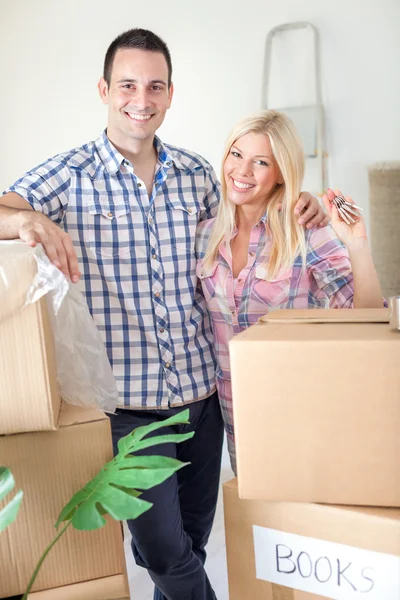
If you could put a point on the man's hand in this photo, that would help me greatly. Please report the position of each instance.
(311, 214)
(19, 220)
(36, 228)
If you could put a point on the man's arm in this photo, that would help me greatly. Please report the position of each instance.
(19, 220)
(310, 212)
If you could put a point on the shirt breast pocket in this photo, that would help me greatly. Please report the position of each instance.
(273, 292)
(206, 277)
(109, 230)
(182, 223)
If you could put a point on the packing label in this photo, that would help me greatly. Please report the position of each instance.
(328, 569)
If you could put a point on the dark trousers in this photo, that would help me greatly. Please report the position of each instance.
(169, 540)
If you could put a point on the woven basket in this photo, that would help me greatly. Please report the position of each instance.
(384, 209)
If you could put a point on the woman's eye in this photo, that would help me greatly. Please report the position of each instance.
(235, 154)
(262, 163)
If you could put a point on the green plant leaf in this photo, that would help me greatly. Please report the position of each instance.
(128, 443)
(176, 438)
(9, 513)
(113, 491)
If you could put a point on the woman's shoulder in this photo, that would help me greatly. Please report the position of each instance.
(203, 232)
(205, 226)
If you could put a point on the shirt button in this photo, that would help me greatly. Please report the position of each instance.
(167, 365)
(126, 162)
(110, 214)
(190, 210)
(150, 220)
(168, 163)
(161, 329)
(139, 184)
(154, 255)
(157, 294)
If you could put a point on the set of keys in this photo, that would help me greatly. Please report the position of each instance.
(347, 210)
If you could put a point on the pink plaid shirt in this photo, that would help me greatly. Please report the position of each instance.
(327, 282)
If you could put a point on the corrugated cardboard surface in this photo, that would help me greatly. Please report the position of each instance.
(317, 412)
(109, 588)
(367, 528)
(50, 467)
(29, 394)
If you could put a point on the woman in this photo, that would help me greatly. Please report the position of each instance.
(254, 256)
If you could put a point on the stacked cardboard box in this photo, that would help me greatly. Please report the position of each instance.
(53, 449)
(29, 395)
(317, 415)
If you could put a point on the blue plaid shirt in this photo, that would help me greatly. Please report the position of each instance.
(136, 254)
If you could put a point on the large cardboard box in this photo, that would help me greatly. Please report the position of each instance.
(297, 551)
(50, 467)
(108, 588)
(29, 394)
(316, 402)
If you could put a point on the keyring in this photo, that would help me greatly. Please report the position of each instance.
(347, 210)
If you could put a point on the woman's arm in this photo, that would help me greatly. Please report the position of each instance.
(367, 289)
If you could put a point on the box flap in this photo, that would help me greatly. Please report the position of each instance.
(75, 415)
(330, 315)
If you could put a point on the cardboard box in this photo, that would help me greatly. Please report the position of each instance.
(316, 402)
(50, 467)
(29, 395)
(108, 588)
(296, 551)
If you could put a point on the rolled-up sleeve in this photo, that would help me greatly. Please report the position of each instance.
(46, 188)
(329, 265)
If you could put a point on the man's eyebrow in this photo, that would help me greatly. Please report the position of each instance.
(153, 81)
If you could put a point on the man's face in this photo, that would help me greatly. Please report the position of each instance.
(138, 96)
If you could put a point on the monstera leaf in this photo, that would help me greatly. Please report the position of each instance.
(113, 490)
(9, 512)
(116, 488)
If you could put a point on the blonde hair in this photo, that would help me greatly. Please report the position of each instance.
(288, 237)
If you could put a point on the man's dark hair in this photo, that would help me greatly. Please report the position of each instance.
(143, 39)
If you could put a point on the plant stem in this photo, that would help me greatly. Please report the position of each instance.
(45, 553)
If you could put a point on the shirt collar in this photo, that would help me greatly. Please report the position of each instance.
(166, 156)
(262, 221)
(224, 249)
(112, 159)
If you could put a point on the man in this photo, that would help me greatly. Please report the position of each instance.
(120, 214)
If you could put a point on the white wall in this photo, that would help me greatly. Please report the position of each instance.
(52, 53)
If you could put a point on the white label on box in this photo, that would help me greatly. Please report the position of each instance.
(328, 569)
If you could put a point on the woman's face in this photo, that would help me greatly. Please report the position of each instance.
(251, 171)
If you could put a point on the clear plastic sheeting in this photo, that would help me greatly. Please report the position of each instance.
(84, 373)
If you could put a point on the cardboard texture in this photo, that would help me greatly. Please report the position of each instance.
(50, 467)
(29, 394)
(316, 408)
(370, 529)
(108, 588)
